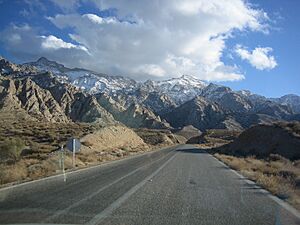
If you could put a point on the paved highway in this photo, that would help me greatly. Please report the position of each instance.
(180, 185)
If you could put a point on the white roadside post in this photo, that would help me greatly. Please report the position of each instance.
(74, 146)
(60, 158)
(63, 163)
(73, 150)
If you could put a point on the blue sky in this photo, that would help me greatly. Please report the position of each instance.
(284, 38)
(251, 45)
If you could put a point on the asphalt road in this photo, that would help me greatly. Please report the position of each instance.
(181, 185)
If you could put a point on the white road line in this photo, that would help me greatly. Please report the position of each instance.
(104, 164)
(61, 212)
(106, 212)
(279, 201)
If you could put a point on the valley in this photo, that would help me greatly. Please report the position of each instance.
(44, 103)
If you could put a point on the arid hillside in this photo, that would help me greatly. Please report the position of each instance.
(29, 148)
(262, 140)
(268, 155)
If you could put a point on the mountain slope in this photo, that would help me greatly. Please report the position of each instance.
(44, 97)
(291, 100)
(134, 115)
(43, 104)
(179, 89)
(198, 112)
(84, 79)
(86, 96)
(162, 96)
(262, 140)
(27, 95)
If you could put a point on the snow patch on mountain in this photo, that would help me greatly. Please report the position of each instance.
(180, 89)
(87, 80)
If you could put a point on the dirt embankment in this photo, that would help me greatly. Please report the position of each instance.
(159, 138)
(99, 144)
(188, 132)
(277, 174)
(118, 140)
(268, 155)
(214, 137)
(262, 140)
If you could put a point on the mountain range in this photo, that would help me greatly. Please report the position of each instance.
(48, 90)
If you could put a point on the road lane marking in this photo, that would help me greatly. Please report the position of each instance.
(279, 201)
(61, 212)
(116, 204)
(102, 164)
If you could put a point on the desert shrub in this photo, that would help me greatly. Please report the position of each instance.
(87, 143)
(10, 149)
(12, 173)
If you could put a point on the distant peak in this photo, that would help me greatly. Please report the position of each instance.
(245, 92)
(185, 76)
(42, 59)
(46, 62)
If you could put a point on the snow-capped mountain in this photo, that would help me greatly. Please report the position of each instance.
(176, 90)
(87, 80)
(291, 100)
(179, 89)
(180, 101)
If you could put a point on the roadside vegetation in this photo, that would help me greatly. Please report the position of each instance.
(278, 175)
(29, 149)
(157, 138)
(213, 138)
(261, 154)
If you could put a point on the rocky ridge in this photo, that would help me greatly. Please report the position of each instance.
(48, 89)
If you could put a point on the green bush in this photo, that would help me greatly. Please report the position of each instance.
(10, 149)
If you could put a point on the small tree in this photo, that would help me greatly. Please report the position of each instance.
(10, 149)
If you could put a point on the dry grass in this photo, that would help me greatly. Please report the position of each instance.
(12, 173)
(40, 157)
(215, 138)
(278, 175)
(41, 137)
(159, 137)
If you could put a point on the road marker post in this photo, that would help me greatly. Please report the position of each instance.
(73, 150)
(74, 146)
(60, 158)
(62, 162)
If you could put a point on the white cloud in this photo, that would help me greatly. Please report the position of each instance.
(258, 58)
(25, 43)
(52, 42)
(94, 18)
(158, 38)
(99, 20)
(67, 5)
(150, 69)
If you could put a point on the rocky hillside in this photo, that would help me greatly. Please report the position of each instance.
(43, 96)
(199, 112)
(66, 94)
(180, 89)
(58, 103)
(262, 140)
(291, 100)
(225, 109)
(90, 81)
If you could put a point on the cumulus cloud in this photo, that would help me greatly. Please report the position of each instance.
(156, 38)
(150, 69)
(67, 5)
(25, 43)
(259, 58)
(52, 42)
